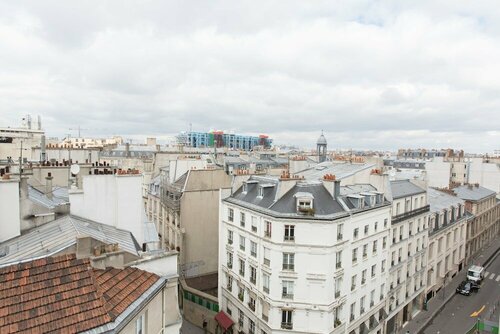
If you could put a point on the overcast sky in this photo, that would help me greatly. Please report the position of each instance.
(372, 74)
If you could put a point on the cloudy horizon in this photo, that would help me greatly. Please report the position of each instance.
(370, 74)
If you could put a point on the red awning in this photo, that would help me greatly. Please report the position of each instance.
(224, 321)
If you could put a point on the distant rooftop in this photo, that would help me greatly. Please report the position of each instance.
(473, 192)
(404, 188)
(341, 170)
(59, 197)
(58, 235)
(439, 200)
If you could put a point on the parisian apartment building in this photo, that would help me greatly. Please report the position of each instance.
(447, 239)
(304, 256)
(408, 253)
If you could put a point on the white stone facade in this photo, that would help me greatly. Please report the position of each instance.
(303, 274)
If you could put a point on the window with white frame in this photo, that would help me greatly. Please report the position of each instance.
(287, 289)
(288, 261)
(265, 282)
(286, 319)
(140, 324)
(254, 224)
(362, 305)
(267, 256)
(267, 233)
(229, 259)
(229, 282)
(374, 246)
(338, 259)
(353, 282)
(230, 237)
(253, 275)
(340, 231)
(230, 215)
(354, 255)
(242, 242)
(289, 233)
(253, 248)
(242, 267)
(241, 318)
(242, 219)
(251, 327)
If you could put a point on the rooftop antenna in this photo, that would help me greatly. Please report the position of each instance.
(79, 129)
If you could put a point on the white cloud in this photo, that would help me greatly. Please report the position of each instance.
(382, 74)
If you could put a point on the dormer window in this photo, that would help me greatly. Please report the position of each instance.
(305, 203)
(261, 192)
(245, 188)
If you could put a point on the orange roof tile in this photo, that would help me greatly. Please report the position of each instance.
(65, 294)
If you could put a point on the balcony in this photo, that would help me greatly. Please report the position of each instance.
(287, 325)
(241, 296)
(410, 214)
(230, 287)
(251, 306)
(290, 238)
(287, 296)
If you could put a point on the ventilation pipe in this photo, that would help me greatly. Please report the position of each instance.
(48, 185)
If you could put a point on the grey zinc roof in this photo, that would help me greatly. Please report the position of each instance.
(252, 191)
(404, 188)
(439, 200)
(61, 234)
(340, 170)
(323, 202)
(59, 197)
(473, 193)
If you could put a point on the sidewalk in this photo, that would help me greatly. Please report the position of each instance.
(436, 304)
(189, 328)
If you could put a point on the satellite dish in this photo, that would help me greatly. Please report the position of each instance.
(75, 169)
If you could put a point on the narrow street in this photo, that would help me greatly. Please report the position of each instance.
(459, 314)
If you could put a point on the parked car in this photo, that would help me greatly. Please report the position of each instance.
(475, 286)
(465, 288)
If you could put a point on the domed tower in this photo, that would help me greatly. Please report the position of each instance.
(321, 147)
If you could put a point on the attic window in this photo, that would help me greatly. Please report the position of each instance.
(261, 192)
(305, 204)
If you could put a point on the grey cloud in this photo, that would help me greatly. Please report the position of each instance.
(363, 71)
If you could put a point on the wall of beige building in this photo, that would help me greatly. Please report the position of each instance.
(199, 220)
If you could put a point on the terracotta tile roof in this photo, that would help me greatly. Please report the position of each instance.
(66, 295)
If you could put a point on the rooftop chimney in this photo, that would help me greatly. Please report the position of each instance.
(127, 150)
(23, 187)
(48, 185)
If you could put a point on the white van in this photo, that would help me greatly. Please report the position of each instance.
(475, 273)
